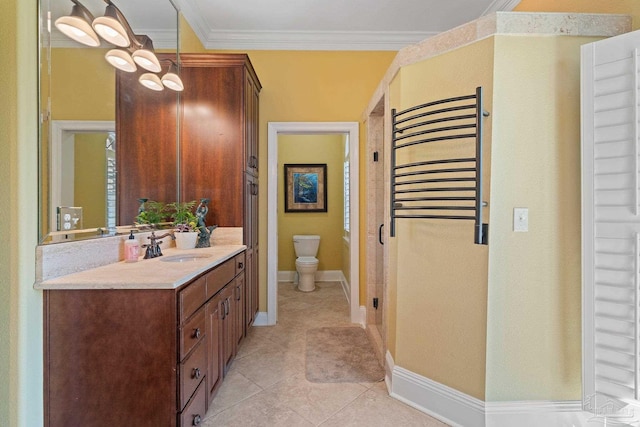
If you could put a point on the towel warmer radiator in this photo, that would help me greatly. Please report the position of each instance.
(439, 188)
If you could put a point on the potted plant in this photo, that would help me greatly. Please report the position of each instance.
(153, 214)
(185, 224)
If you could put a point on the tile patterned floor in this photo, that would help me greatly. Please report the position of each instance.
(266, 385)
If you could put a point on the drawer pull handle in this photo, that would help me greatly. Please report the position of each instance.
(240, 265)
(195, 374)
(196, 333)
(197, 419)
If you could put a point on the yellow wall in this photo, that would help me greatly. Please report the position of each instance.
(534, 337)
(441, 273)
(328, 149)
(627, 7)
(90, 178)
(82, 85)
(20, 305)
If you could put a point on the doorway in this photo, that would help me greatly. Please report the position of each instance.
(274, 193)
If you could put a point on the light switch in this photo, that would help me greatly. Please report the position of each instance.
(521, 219)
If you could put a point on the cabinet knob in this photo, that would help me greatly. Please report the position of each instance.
(240, 265)
(196, 333)
(197, 419)
(196, 374)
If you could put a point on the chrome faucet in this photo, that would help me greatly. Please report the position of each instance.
(153, 248)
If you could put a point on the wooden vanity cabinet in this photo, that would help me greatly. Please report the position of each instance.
(218, 147)
(138, 357)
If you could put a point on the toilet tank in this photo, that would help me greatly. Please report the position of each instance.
(306, 245)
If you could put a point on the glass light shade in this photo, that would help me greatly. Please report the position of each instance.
(172, 81)
(151, 81)
(121, 60)
(76, 27)
(110, 28)
(147, 60)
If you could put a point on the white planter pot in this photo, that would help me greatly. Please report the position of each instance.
(186, 240)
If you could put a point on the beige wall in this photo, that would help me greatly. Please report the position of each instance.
(20, 306)
(627, 7)
(441, 274)
(534, 335)
(327, 149)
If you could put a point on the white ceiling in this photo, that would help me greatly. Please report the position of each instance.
(298, 24)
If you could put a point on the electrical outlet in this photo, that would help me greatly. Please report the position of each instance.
(520, 219)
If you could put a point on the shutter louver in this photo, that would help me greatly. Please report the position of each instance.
(610, 230)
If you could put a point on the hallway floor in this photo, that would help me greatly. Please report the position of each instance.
(266, 385)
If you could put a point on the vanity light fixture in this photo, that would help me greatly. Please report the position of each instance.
(143, 54)
(77, 25)
(133, 49)
(121, 59)
(171, 79)
(112, 26)
(151, 81)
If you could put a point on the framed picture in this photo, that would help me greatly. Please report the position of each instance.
(305, 188)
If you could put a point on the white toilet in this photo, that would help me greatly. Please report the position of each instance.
(306, 247)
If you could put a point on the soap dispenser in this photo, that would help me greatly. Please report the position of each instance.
(131, 249)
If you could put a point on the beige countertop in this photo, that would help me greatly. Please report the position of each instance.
(156, 273)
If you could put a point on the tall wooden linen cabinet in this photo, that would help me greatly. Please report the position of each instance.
(215, 155)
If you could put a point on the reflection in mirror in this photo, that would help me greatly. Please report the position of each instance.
(77, 86)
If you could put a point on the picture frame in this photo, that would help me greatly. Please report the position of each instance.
(305, 187)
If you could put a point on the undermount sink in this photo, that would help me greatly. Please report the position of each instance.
(184, 257)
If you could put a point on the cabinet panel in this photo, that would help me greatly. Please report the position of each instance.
(228, 328)
(110, 358)
(211, 141)
(218, 278)
(192, 297)
(193, 414)
(191, 333)
(192, 372)
(214, 346)
(239, 309)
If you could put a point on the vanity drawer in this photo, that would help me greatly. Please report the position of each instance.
(220, 276)
(192, 332)
(193, 414)
(192, 297)
(192, 372)
(240, 263)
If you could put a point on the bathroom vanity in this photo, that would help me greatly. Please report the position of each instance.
(145, 343)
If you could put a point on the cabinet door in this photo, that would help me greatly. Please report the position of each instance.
(251, 125)
(215, 345)
(211, 145)
(239, 309)
(228, 326)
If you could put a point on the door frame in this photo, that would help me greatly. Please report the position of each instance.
(274, 129)
(60, 131)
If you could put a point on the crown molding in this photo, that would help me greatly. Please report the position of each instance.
(312, 40)
(501, 6)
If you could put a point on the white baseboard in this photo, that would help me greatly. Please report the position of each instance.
(459, 409)
(444, 403)
(362, 316)
(537, 413)
(321, 276)
(261, 319)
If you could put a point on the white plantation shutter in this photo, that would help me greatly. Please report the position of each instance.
(611, 220)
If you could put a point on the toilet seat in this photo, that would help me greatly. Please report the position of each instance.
(306, 260)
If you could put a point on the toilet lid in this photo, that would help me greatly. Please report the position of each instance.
(307, 260)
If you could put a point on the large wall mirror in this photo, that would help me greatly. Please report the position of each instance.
(78, 140)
